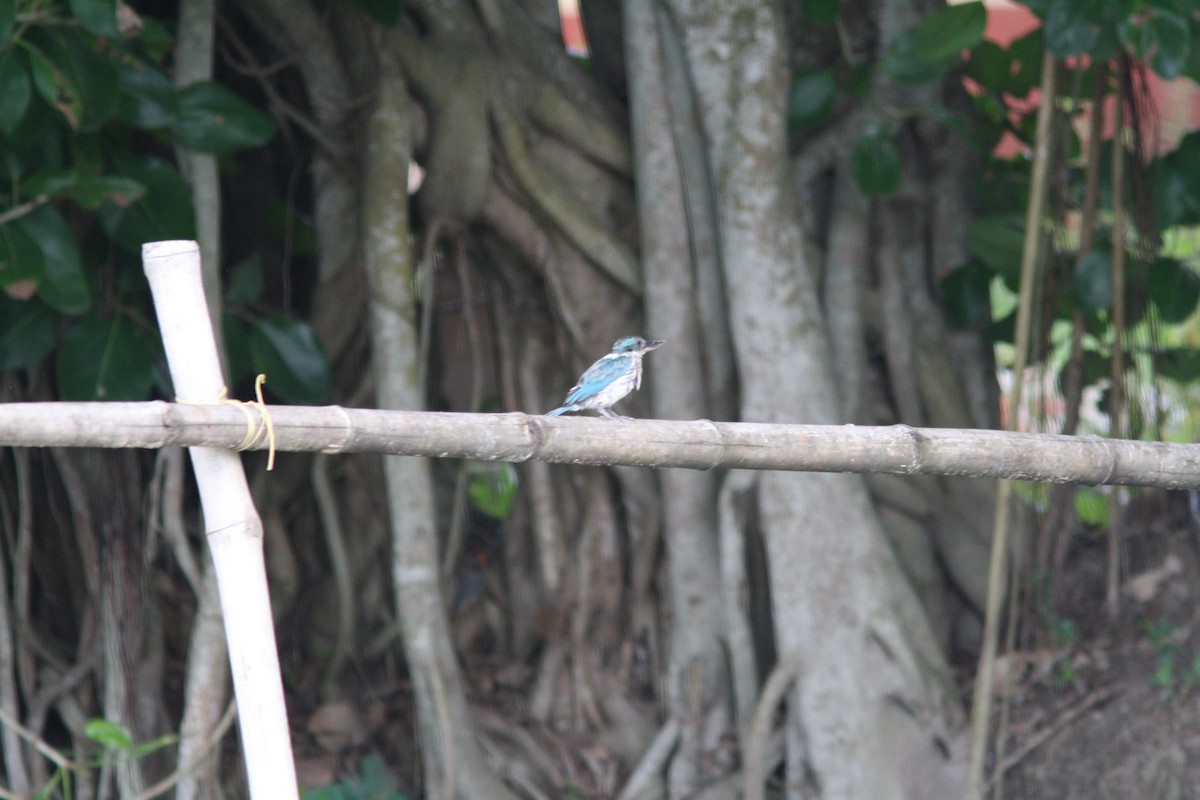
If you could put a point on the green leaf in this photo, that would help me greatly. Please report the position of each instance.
(143, 749)
(950, 31)
(374, 774)
(85, 80)
(15, 91)
(156, 39)
(1003, 329)
(98, 16)
(108, 734)
(1129, 32)
(966, 294)
(998, 240)
(1180, 364)
(1185, 161)
(65, 286)
(926, 52)
(105, 359)
(371, 783)
(1091, 287)
(287, 351)
(90, 191)
(245, 282)
(385, 12)
(1026, 54)
(1096, 368)
(810, 98)
(212, 119)
(281, 219)
(1165, 39)
(990, 66)
(1091, 506)
(41, 71)
(8, 19)
(1173, 194)
(237, 349)
(492, 487)
(164, 212)
(53, 182)
(876, 163)
(148, 99)
(87, 190)
(859, 80)
(824, 12)
(991, 110)
(54, 86)
(28, 331)
(905, 63)
(1192, 68)
(1174, 289)
(20, 257)
(1073, 27)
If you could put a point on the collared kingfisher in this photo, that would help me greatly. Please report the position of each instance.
(610, 379)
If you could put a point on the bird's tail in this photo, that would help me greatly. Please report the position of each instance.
(560, 410)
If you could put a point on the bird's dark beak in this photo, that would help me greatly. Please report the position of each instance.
(653, 344)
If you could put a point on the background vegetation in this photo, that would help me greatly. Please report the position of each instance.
(811, 202)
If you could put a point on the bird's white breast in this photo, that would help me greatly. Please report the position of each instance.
(624, 384)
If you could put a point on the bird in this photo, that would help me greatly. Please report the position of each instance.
(610, 379)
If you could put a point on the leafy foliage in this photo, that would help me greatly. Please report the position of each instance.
(928, 51)
(811, 97)
(1156, 35)
(212, 119)
(118, 744)
(385, 12)
(89, 120)
(824, 12)
(370, 784)
(287, 351)
(876, 162)
(28, 331)
(492, 488)
(105, 358)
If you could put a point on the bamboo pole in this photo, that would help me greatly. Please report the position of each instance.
(232, 525)
(997, 563)
(699, 444)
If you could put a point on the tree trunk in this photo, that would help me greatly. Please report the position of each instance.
(872, 693)
(452, 757)
(697, 673)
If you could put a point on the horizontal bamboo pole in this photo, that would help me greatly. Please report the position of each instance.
(702, 444)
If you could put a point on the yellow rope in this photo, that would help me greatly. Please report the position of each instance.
(256, 430)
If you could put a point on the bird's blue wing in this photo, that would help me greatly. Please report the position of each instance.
(597, 377)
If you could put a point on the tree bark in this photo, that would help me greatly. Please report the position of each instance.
(451, 755)
(194, 62)
(846, 621)
(697, 688)
(299, 33)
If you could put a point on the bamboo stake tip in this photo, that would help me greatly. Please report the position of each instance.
(169, 248)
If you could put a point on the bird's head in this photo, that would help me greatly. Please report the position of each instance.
(636, 344)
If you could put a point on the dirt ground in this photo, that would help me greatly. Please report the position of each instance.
(1100, 708)
(1110, 708)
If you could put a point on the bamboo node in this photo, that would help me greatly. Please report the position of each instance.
(256, 430)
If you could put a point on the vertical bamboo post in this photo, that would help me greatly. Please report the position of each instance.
(232, 525)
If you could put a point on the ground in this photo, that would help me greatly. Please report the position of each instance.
(1101, 708)
(1110, 708)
